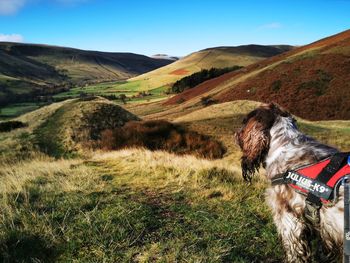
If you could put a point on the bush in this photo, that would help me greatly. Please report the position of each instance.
(11, 125)
(276, 85)
(161, 135)
(207, 101)
(199, 77)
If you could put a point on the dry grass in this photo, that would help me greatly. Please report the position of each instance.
(15, 177)
(131, 206)
(136, 205)
(222, 110)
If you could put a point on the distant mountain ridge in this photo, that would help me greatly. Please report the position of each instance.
(26, 68)
(254, 49)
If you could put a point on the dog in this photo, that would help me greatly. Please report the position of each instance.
(269, 137)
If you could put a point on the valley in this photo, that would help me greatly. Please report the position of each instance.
(64, 197)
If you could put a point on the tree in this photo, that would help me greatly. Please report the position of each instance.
(199, 77)
(123, 98)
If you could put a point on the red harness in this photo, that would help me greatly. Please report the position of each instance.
(321, 180)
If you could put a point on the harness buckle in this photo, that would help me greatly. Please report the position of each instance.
(312, 212)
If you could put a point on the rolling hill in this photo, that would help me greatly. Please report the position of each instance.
(26, 68)
(218, 57)
(136, 205)
(311, 81)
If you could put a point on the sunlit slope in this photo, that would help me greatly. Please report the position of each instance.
(311, 81)
(218, 57)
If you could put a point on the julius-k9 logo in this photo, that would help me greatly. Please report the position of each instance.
(306, 183)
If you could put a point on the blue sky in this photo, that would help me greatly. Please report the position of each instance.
(175, 27)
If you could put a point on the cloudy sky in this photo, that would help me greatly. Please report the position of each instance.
(175, 27)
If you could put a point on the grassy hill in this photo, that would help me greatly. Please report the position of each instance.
(218, 57)
(155, 83)
(40, 69)
(136, 205)
(311, 81)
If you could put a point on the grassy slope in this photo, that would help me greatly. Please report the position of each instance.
(230, 114)
(24, 67)
(104, 210)
(137, 205)
(308, 79)
(157, 81)
(209, 58)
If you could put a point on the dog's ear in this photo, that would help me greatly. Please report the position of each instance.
(255, 140)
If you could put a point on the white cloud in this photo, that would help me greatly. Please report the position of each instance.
(11, 38)
(8, 7)
(272, 25)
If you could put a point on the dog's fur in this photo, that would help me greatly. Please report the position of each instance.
(270, 137)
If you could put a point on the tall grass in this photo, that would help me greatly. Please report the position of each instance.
(133, 206)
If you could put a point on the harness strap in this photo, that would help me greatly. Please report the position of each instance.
(313, 202)
(336, 162)
(278, 179)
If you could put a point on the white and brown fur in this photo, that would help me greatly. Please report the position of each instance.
(270, 137)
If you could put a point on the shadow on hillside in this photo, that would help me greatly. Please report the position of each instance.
(24, 247)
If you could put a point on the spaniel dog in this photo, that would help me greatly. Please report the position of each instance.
(270, 137)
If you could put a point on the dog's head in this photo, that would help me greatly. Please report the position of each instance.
(254, 137)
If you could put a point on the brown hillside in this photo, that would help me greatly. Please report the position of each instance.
(313, 88)
(312, 81)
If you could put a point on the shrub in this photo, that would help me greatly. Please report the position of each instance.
(276, 85)
(180, 100)
(11, 125)
(319, 85)
(123, 98)
(207, 101)
(161, 135)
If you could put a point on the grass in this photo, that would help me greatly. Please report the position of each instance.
(129, 88)
(104, 210)
(17, 109)
(136, 205)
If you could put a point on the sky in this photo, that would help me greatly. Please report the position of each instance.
(174, 27)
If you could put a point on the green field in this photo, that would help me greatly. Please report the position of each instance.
(17, 109)
(131, 89)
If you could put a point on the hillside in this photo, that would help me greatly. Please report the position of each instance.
(28, 68)
(311, 81)
(218, 57)
(135, 205)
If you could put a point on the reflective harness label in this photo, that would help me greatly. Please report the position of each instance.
(317, 188)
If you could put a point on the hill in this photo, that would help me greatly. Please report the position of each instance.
(311, 81)
(218, 57)
(135, 205)
(42, 69)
